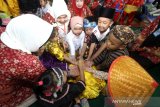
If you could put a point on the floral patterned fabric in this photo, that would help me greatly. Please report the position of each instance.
(2, 29)
(18, 70)
(151, 53)
(47, 17)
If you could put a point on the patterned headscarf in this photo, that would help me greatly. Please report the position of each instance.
(123, 33)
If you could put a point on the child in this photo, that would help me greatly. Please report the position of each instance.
(79, 8)
(75, 38)
(89, 24)
(115, 46)
(45, 6)
(55, 56)
(62, 17)
(102, 29)
(58, 16)
(52, 90)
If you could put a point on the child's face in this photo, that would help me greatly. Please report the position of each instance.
(62, 19)
(113, 43)
(43, 3)
(77, 30)
(79, 3)
(88, 30)
(103, 24)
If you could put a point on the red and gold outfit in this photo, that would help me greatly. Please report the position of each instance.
(131, 15)
(48, 17)
(75, 11)
(151, 53)
(16, 69)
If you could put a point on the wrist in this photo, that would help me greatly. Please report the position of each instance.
(72, 56)
(67, 70)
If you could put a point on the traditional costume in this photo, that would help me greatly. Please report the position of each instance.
(19, 68)
(51, 90)
(75, 42)
(128, 81)
(126, 36)
(130, 10)
(10, 7)
(58, 11)
(147, 45)
(75, 11)
(88, 22)
(106, 13)
(93, 85)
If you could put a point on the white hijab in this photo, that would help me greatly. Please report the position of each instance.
(26, 33)
(59, 8)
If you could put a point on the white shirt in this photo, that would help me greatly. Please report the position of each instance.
(98, 35)
(75, 42)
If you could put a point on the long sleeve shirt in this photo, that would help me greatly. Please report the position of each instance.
(107, 57)
(75, 42)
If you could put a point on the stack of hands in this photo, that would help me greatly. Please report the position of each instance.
(74, 69)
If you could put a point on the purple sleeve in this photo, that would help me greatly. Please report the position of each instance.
(50, 61)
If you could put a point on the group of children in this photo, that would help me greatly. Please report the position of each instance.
(79, 37)
(78, 57)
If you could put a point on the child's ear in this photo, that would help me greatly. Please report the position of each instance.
(111, 23)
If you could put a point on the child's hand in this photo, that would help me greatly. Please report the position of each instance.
(88, 63)
(81, 62)
(81, 68)
(74, 62)
(65, 45)
(73, 70)
(89, 69)
(79, 57)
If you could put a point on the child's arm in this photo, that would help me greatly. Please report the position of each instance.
(71, 47)
(91, 50)
(82, 51)
(70, 60)
(83, 46)
(98, 74)
(101, 49)
(81, 69)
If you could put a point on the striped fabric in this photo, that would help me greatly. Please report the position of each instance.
(105, 59)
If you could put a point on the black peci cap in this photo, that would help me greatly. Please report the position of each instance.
(107, 12)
